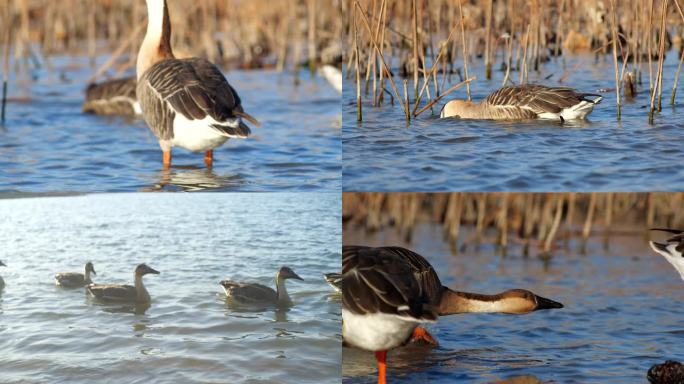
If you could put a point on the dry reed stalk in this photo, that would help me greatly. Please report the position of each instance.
(649, 48)
(614, 31)
(679, 66)
(359, 107)
(416, 46)
(440, 97)
(406, 100)
(120, 50)
(548, 242)
(661, 54)
(586, 230)
(523, 70)
(382, 57)
(311, 36)
(465, 47)
(488, 38)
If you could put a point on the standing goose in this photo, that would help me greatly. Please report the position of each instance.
(389, 291)
(673, 251)
(124, 293)
(75, 279)
(258, 294)
(113, 97)
(186, 102)
(2, 282)
(524, 102)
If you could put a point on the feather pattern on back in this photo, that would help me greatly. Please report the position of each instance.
(390, 280)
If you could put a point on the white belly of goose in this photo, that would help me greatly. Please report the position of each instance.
(578, 111)
(196, 135)
(377, 331)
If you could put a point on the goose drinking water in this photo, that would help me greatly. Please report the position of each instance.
(186, 102)
(387, 292)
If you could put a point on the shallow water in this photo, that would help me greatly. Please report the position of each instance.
(48, 144)
(599, 154)
(189, 334)
(622, 314)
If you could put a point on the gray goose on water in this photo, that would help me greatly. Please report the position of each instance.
(524, 102)
(186, 102)
(75, 279)
(2, 282)
(387, 292)
(136, 293)
(113, 97)
(258, 294)
(673, 250)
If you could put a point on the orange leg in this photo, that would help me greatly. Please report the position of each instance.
(166, 159)
(209, 158)
(420, 333)
(381, 357)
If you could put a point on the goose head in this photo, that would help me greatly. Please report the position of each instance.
(90, 268)
(286, 273)
(519, 301)
(143, 269)
(456, 108)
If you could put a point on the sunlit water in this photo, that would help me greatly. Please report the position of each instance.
(623, 313)
(189, 334)
(383, 153)
(48, 144)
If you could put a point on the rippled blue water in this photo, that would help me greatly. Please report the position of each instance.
(383, 153)
(48, 144)
(189, 334)
(622, 314)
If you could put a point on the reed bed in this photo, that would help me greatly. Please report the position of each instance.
(541, 221)
(246, 34)
(427, 42)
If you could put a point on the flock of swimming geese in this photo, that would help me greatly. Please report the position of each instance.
(243, 293)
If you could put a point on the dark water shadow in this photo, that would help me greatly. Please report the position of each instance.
(191, 178)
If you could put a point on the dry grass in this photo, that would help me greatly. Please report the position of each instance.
(533, 219)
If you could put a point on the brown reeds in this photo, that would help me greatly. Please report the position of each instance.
(614, 33)
(526, 219)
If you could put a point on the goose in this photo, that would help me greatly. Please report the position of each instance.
(673, 251)
(389, 292)
(335, 280)
(124, 293)
(75, 279)
(113, 97)
(2, 282)
(186, 102)
(524, 102)
(257, 294)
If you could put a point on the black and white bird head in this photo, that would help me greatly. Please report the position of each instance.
(672, 250)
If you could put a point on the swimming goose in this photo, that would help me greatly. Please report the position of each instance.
(257, 294)
(389, 291)
(186, 102)
(2, 282)
(524, 102)
(113, 97)
(335, 280)
(124, 293)
(673, 251)
(75, 279)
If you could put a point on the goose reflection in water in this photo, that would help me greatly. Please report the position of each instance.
(191, 178)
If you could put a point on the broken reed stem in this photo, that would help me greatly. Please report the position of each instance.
(118, 52)
(661, 58)
(548, 243)
(488, 40)
(523, 70)
(406, 100)
(440, 97)
(676, 80)
(615, 59)
(465, 48)
(415, 49)
(5, 69)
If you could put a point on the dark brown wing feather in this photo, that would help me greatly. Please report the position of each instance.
(250, 293)
(678, 237)
(195, 88)
(112, 292)
(538, 98)
(389, 280)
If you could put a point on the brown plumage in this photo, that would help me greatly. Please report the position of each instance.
(527, 101)
(669, 372)
(112, 97)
